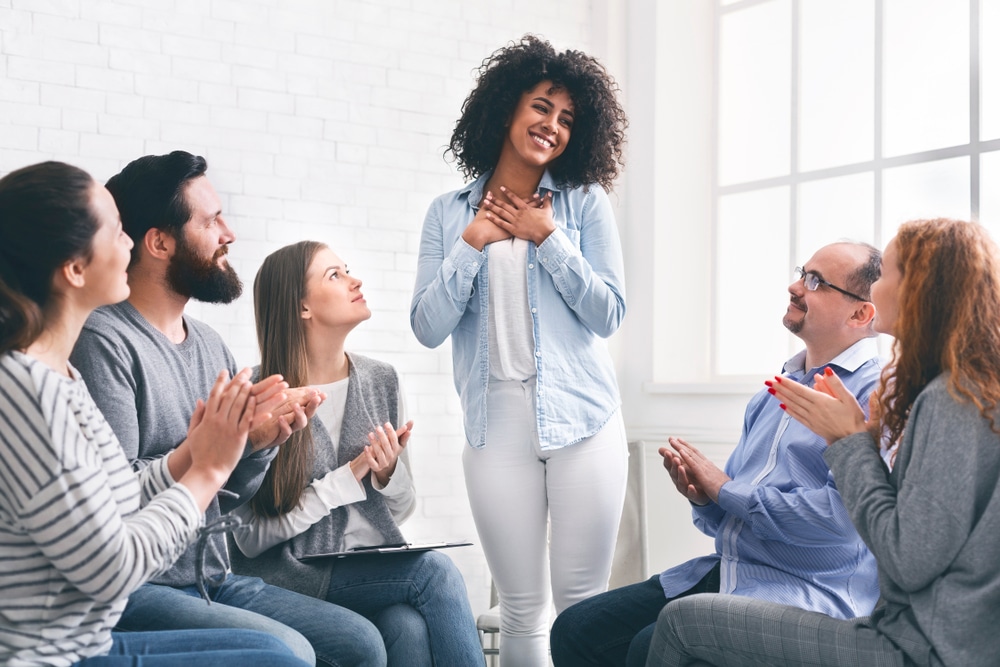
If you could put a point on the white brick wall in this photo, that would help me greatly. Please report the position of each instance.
(320, 119)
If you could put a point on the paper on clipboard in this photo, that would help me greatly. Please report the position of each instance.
(387, 549)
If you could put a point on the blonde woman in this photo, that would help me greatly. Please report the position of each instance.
(344, 482)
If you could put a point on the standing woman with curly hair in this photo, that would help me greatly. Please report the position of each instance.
(523, 269)
(933, 522)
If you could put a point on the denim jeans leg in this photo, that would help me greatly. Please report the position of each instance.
(405, 636)
(598, 631)
(154, 607)
(338, 635)
(616, 628)
(428, 582)
(195, 648)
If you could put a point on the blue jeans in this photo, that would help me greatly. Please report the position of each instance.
(315, 630)
(616, 628)
(194, 648)
(417, 601)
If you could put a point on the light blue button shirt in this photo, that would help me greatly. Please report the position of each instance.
(781, 531)
(576, 294)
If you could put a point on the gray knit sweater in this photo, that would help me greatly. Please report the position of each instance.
(372, 394)
(933, 524)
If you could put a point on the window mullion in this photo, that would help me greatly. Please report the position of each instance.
(974, 104)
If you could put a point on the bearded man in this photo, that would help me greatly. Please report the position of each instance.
(147, 364)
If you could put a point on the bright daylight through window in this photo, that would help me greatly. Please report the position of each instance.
(841, 119)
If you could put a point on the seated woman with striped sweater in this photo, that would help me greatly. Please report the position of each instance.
(78, 529)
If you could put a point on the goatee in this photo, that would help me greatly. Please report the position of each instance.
(795, 326)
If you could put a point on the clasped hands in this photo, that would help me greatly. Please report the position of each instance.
(234, 411)
(379, 457)
(269, 409)
(281, 411)
(528, 219)
(695, 477)
(828, 409)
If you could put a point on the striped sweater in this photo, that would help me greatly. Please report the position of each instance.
(73, 540)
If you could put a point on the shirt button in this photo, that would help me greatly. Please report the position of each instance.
(531, 266)
(534, 310)
(538, 354)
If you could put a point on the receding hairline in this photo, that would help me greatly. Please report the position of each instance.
(865, 269)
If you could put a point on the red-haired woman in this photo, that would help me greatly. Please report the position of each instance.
(933, 522)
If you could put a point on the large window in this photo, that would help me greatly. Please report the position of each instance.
(841, 119)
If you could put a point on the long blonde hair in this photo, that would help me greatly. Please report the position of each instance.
(278, 292)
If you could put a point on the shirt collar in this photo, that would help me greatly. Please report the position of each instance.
(474, 189)
(849, 360)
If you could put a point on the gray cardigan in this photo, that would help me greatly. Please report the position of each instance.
(933, 524)
(372, 398)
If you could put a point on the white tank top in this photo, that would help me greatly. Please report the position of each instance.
(512, 339)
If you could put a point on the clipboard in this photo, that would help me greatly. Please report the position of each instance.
(404, 547)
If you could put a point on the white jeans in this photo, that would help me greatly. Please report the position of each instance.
(515, 490)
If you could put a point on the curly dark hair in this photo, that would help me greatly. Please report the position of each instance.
(594, 152)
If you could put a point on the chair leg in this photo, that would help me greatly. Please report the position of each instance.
(491, 647)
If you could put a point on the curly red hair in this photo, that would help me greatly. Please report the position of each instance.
(948, 319)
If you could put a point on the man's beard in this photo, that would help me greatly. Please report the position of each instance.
(202, 279)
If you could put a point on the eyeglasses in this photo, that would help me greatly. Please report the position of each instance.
(812, 283)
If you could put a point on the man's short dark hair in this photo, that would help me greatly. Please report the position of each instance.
(860, 280)
(149, 193)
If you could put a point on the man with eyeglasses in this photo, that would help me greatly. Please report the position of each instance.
(781, 532)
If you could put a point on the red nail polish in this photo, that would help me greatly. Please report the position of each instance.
(768, 383)
(777, 379)
(828, 372)
(772, 392)
(782, 406)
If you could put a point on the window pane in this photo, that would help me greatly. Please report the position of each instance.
(751, 280)
(928, 190)
(989, 197)
(837, 83)
(989, 68)
(754, 92)
(926, 84)
(835, 209)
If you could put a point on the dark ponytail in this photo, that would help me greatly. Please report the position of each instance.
(45, 221)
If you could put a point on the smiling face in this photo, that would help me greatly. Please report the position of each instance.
(816, 316)
(105, 273)
(333, 298)
(885, 290)
(200, 267)
(540, 126)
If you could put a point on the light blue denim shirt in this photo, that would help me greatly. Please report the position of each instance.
(576, 294)
(782, 533)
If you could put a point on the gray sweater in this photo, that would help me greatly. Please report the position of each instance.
(933, 524)
(371, 399)
(147, 387)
